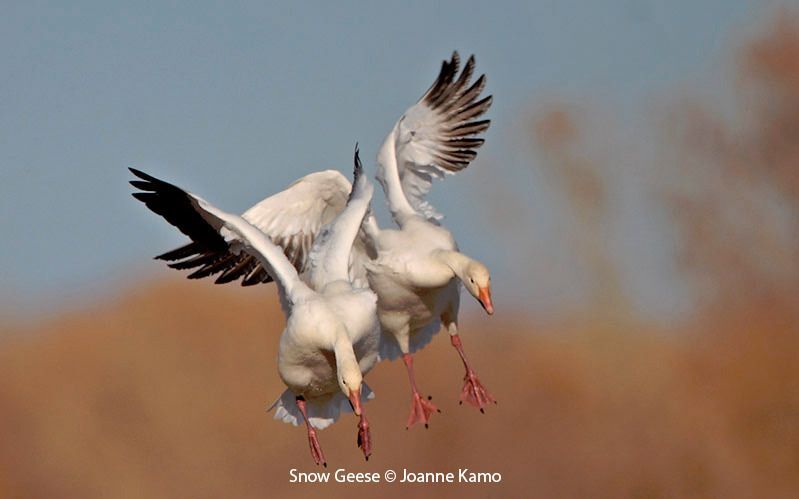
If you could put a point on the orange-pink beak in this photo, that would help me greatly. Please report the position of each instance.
(484, 296)
(355, 401)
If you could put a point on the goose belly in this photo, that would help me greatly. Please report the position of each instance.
(303, 366)
(399, 304)
(310, 370)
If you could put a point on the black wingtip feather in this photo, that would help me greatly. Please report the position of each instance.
(145, 176)
(234, 272)
(184, 251)
(445, 76)
(357, 170)
(357, 165)
(458, 103)
(208, 250)
(470, 128)
(473, 110)
(142, 196)
(141, 184)
(136, 172)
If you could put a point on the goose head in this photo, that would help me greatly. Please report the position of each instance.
(349, 380)
(348, 371)
(474, 275)
(477, 281)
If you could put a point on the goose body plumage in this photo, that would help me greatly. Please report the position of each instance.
(331, 336)
(418, 270)
(415, 269)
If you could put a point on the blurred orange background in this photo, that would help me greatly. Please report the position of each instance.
(162, 390)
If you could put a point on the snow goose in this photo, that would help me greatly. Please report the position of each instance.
(418, 268)
(331, 337)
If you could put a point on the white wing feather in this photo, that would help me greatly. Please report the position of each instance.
(241, 233)
(293, 217)
(225, 232)
(334, 256)
(434, 138)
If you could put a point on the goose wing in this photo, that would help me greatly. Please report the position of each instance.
(220, 231)
(435, 137)
(335, 254)
(291, 218)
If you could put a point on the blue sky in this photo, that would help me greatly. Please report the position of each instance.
(234, 100)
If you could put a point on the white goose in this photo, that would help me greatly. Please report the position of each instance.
(331, 336)
(415, 269)
(418, 268)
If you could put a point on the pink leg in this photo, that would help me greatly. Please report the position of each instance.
(473, 391)
(313, 441)
(364, 436)
(421, 409)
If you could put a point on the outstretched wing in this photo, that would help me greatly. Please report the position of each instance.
(334, 255)
(291, 218)
(220, 231)
(435, 137)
